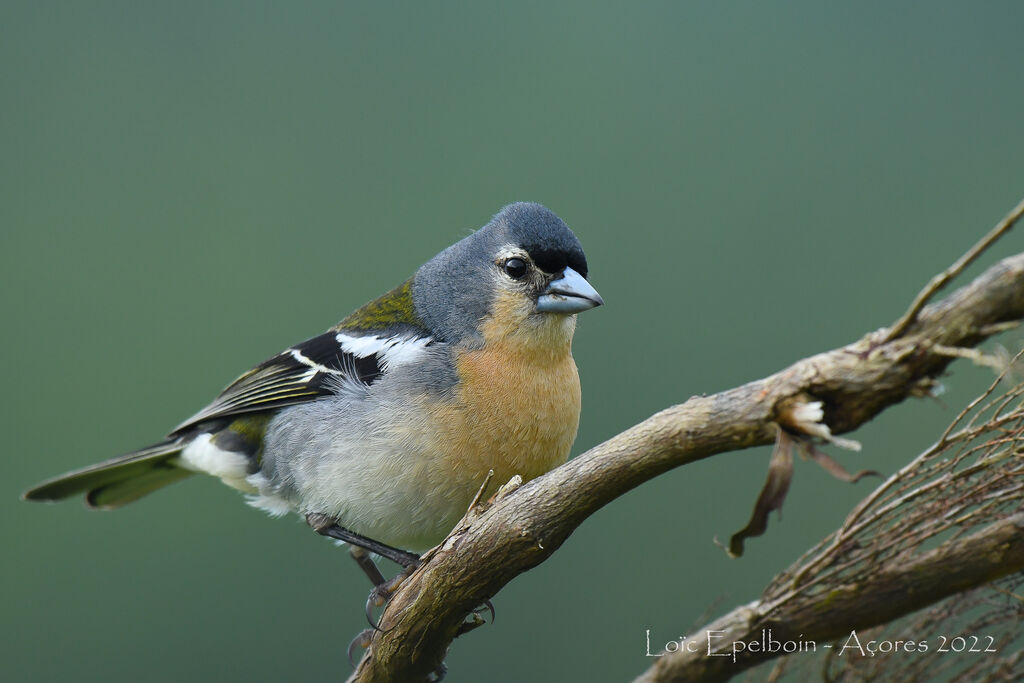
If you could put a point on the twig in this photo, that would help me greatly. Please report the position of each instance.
(974, 355)
(943, 278)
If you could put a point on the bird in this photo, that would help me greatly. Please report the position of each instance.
(381, 430)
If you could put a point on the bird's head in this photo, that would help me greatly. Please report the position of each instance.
(520, 278)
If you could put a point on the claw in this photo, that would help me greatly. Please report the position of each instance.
(488, 605)
(362, 640)
(381, 594)
(474, 620)
(377, 598)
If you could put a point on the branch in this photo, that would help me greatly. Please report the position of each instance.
(966, 490)
(897, 589)
(523, 526)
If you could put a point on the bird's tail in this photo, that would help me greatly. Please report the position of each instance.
(118, 481)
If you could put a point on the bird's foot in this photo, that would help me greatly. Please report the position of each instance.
(475, 619)
(382, 592)
(362, 640)
(488, 606)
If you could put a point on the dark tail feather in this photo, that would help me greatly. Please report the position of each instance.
(116, 482)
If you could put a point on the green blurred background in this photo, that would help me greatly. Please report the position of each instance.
(186, 188)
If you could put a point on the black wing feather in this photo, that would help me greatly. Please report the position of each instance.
(296, 375)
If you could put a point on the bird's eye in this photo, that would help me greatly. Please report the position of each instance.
(516, 268)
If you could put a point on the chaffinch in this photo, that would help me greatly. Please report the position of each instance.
(381, 430)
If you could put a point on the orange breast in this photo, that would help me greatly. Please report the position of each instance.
(515, 412)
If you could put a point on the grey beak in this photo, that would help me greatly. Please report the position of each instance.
(570, 293)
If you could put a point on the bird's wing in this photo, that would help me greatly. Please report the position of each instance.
(357, 351)
(306, 371)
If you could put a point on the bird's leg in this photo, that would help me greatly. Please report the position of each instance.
(366, 563)
(325, 526)
(361, 546)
